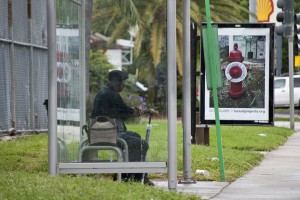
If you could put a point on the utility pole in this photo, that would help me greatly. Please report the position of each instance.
(287, 30)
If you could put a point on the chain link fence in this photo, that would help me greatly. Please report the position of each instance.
(23, 65)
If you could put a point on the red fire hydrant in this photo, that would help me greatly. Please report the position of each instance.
(236, 72)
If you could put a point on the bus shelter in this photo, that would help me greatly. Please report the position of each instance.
(70, 103)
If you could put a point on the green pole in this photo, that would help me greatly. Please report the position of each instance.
(213, 69)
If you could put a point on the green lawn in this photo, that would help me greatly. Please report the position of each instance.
(241, 148)
(296, 119)
(287, 112)
(23, 164)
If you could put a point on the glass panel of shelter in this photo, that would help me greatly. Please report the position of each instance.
(145, 88)
(68, 84)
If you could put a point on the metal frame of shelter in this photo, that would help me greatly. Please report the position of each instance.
(127, 167)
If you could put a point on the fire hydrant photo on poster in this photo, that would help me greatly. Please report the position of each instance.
(245, 69)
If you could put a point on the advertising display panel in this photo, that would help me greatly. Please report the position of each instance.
(246, 57)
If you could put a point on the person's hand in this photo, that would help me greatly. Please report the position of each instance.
(149, 111)
(140, 111)
(137, 111)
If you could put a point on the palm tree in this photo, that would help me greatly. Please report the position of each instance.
(114, 17)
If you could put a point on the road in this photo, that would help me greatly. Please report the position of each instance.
(286, 113)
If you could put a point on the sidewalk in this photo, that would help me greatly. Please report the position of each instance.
(277, 177)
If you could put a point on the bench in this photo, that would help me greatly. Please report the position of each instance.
(89, 153)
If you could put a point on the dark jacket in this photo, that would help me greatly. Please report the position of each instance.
(109, 103)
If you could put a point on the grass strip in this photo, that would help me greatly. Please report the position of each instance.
(24, 164)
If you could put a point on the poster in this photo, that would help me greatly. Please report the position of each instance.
(246, 57)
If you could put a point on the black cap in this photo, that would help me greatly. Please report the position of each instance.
(117, 76)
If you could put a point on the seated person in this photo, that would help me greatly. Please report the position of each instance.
(108, 102)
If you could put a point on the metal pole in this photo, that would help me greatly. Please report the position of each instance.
(12, 76)
(172, 95)
(31, 83)
(291, 79)
(82, 75)
(186, 52)
(252, 9)
(52, 89)
(278, 54)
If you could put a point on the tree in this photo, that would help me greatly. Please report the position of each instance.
(114, 17)
(244, 4)
(88, 22)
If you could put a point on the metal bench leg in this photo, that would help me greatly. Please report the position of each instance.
(113, 148)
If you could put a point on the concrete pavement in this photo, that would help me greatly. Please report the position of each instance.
(277, 177)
